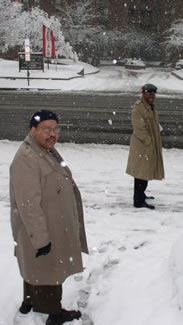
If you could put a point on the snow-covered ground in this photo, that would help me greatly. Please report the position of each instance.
(134, 273)
(112, 78)
(129, 277)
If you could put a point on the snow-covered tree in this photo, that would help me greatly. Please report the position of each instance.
(29, 24)
(79, 14)
(91, 40)
(127, 43)
(139, 44)
(175, 33)
(78, 21)
(9, 11)
(174, 40)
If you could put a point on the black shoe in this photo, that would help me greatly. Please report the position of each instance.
(144, 205)
(64, 316)
(69, 315)
(149, 198)
(54, 320)
(25, 308)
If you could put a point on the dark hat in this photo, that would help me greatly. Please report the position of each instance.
(42, 115)
(149, 88)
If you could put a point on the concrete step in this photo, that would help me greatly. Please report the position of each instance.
(84, 118)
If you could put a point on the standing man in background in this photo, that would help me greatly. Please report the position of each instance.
(145, 160)
(47, 220)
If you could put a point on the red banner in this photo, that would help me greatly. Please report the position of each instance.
(48, 43)
(53, 54)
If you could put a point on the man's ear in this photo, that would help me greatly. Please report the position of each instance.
(33, 130)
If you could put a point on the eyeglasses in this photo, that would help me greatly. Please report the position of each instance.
(48, 130)
(150, 92)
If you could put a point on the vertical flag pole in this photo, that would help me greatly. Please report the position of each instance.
(28, 73)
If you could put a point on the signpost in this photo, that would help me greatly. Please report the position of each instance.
(36, 61)
(27, 57)
(30, 61)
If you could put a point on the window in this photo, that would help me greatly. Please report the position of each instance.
(57, 5)
(140, 18)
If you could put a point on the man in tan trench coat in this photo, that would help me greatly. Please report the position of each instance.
(47, 220)
(145, 160)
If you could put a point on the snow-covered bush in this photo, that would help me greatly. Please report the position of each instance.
(140, 44)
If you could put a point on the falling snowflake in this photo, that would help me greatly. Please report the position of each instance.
(37, 118)
(63, 163)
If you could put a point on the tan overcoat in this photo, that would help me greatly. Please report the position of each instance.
(145, 156)
(45, 206)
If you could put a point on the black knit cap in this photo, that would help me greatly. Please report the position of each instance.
(149, 88)
(42, 115)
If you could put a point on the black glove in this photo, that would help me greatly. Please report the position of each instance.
(44, 250)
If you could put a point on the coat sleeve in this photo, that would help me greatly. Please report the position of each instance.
(25, 179)
(139, 126)
(82, 233)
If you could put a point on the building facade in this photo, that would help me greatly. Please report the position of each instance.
(47, 5)
(153, 16)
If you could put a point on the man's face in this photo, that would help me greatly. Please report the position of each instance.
(46, 133)
(149, 96)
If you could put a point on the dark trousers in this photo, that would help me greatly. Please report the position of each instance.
(44, 299)
(140, 186)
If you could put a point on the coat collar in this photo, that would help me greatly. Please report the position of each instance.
(44, 153)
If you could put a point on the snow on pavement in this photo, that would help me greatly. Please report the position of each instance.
(127, 278)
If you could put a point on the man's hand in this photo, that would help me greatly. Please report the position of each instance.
(44, 250)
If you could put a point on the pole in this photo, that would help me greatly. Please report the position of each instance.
(28, 73)
(27, 58)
